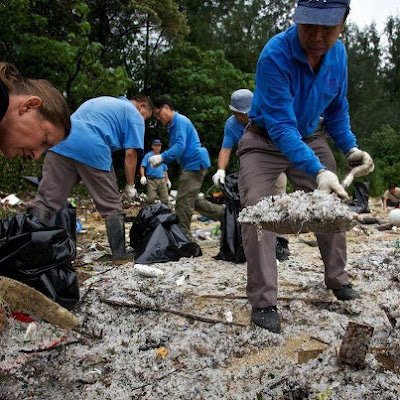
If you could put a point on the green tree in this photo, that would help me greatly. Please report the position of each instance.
(238, 27)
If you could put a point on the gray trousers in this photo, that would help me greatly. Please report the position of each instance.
(187, 201)
(157, 188)
(61, 173)
(260, 165)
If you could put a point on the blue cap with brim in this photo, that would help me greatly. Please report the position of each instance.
(156, 141)
(320, 12)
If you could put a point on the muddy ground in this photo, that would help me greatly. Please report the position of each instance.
(186, 333)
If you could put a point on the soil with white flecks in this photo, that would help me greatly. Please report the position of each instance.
(185, 332)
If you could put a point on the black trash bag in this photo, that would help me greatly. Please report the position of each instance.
(66, 218)
(156, 237)
(360, 198)
(231, 247)
(39, 256)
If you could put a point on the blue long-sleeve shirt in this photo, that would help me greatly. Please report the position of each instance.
(185, 146)
(290, 98)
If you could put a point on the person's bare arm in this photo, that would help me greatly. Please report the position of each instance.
(223, 158)
(130, 165)
(142, 171)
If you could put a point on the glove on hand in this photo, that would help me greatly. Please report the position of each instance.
(130, 191)
(143, 181)
(169, 184)
(328, 182)
(155, 160)
(219, 177)
(360, 162)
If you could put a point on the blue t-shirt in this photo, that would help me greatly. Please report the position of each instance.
(101, 126)
(290, 98)
(153, 172)
(232, 133)
(185, 146)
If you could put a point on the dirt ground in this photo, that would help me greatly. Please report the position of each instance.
(185, 332)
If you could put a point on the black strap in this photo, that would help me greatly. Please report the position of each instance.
(4, 100)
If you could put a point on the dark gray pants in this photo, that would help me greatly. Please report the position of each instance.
(61, 173)
(260, 165)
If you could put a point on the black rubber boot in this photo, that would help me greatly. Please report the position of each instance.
(43, 216)
(346, 292)
(282, 248)
(116, 238)
(266, 318)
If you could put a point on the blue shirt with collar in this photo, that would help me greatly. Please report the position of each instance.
(232, 133)
(153, 172)
(99, 127)
(185, 146)
(290, 98)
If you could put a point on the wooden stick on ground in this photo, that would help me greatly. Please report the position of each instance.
(21, 297)
(175, 312)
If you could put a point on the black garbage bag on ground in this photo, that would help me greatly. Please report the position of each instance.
(156, 237)
(360, 198)
(231, 247)
(39, 256)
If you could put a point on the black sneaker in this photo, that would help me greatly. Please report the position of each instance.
(266, 318)
(282, 249)
(346, 292)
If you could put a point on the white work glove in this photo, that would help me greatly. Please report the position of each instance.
(360, 162)
(143, 181)
(328, 182)
(169, 184)
(155, 160)
(130, 191)
(219, 177)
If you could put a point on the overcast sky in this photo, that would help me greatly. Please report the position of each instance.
(364, 12)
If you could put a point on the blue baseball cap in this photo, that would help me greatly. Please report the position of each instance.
(156, 141)
(320, 12)
(241, 101)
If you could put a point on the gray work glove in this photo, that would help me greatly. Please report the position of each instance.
(130, 191)
(219, 177)
(360, 162)
(155, 160)
(328, 181)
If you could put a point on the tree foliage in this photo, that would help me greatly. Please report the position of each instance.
(198, 52)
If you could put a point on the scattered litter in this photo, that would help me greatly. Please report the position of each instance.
(148, 271)
(180, 281)
(30, 331)
(11, 200)
(228, 316)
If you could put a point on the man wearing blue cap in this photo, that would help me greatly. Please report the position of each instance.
(156, 178)
(301, 75)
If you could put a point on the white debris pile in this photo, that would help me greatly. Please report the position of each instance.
(299, 212)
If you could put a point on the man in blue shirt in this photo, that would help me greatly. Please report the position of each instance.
(156, 178)
(234, 127)
(186, 149)
(301, 75)
(100, 126)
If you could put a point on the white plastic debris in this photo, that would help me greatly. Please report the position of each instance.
(180, 281)
(148, 271)
(394, 217)
(228, 316)
(30, 331)
(11, 200)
